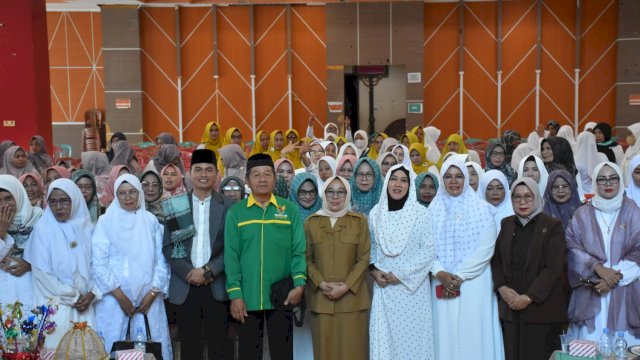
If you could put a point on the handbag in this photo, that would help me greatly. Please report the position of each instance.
(279, 293)
(152, 347)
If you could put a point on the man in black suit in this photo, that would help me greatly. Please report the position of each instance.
(197, 284)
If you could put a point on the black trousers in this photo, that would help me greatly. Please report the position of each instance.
(251, 335)
(526, 341)
(202, 316)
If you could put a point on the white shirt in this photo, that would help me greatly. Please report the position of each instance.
(201, 247)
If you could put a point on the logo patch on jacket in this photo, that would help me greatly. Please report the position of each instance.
(281, 212)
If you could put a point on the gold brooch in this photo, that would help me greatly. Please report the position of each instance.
(73, 244)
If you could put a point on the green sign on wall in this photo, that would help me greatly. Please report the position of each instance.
(414, 108)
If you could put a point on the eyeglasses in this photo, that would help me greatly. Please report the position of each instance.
(333, 193)
(450, 178)
(231, 188)
(363, 176)
(498, 153)
(63, 202)
(314, 152)
(612, 180)
(558, 188)
(518, 198)
(291, 137)
(389, 164)
(307, 193)
(124, 194)
(147, 185)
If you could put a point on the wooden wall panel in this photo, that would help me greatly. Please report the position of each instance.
(75, 64)
(440, 75)
(309, 63)
(159, 71)
(598, 59)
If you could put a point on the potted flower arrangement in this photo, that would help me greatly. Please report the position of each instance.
(22, 337)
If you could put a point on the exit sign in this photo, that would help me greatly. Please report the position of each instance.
(414, 108)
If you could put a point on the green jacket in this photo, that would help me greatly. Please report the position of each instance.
(261, 247)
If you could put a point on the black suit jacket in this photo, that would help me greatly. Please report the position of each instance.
(178, 286)
(543, 269)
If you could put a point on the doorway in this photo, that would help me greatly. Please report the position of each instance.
(351, 91)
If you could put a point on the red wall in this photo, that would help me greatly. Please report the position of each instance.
(24, 71)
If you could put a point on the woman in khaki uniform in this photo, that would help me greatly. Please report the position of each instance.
(338, 249)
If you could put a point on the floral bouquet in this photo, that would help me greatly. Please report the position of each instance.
(22, 338)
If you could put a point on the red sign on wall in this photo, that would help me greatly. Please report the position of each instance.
(123, 103)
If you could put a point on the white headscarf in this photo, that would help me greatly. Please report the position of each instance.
(586, 158)
(478, 170)
(361, 145)
(633, 150)
(589, 126)
(26, 215)
(566, 132)
(63, 249)
(344, 147)
(333, 164)
(544, 174)
(138, 244)
(326, 132)
(531, 147)
(406, 160)
(633, 190)
(600, 203)
(458, 221)
(392, 229)
(431, 135)
(505, 208)
(324, 211)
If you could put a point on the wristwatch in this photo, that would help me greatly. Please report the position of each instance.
(208, 274)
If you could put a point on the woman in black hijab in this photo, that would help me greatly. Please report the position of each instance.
(606, 145)
(558, 155)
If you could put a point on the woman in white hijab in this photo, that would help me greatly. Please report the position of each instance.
(59, 251)
(633, 174)
(402, 252)
(587, 158)
(533, 167)
(130, 268)
(431, 135)
(17, 221)
(327, 167)
(633, 139)
(475, 172)
(464, 303)
(494, 189)
(531, 147)
(361, 141)
(589, 126)
(566, 132)
(350, 149)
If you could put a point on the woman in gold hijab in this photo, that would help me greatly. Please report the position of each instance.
(211, 137)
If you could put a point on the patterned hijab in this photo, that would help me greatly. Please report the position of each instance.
(562, 155)
(165, 138)
(563, 211)
(167, 154)
(362, 202)
(296, 183)
(123, 154)
(154, 206)
(4, 146)
(40, 160)
(96, 162)
(458, 221)
(93, 204)
(505, 168)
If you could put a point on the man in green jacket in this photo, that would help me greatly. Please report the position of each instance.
(264, 243)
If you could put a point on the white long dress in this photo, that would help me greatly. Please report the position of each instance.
(13, 287)
(468, 326)
(111, 270)
(630, 271)
(400, 323)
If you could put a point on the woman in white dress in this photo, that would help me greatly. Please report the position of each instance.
(465, 308)
(129, 268)
(17, 220)
(532, 167)
(602, 239)
(402, 252)
(59, 252)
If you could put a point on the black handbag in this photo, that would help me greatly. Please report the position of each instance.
(152, 347)
(279, 293)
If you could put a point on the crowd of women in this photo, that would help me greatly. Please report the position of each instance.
(464, 260)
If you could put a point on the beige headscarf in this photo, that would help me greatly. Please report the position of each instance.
(334, 215)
